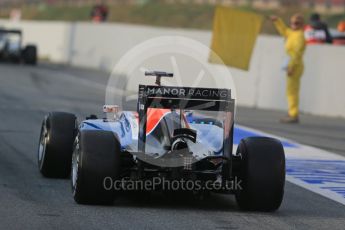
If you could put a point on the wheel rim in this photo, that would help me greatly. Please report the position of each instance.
(42, 146)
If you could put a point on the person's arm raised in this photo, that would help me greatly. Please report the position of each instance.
(280, 25)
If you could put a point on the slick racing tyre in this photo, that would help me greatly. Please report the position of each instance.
(262, 174)
(29, 55)
(95, 166)
(56, 144)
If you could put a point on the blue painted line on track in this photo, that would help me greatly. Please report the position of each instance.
(327, 174)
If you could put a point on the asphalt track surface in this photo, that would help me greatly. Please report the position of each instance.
(29, 201)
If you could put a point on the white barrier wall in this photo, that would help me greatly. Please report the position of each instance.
(263, 86)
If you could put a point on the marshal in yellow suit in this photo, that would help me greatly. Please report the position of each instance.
(294, 46)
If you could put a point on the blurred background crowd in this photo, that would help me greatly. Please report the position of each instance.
(167, 13)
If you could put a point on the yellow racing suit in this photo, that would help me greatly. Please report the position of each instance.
(294, 47)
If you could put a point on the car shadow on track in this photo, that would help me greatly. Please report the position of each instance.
(185, 201)
(297, 202)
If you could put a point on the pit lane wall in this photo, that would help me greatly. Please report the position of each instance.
(263, 86)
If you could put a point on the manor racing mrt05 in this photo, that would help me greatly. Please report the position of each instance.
(176, 134)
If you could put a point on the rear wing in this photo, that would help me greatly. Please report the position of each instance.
(166, 97)
(185, 98)
(5, 31)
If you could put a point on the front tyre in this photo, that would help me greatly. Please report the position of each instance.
(262, 172)
(95, 166)
(56, 144)
(29, 55)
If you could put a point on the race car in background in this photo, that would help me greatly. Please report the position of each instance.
(173, 135)
(11, 49)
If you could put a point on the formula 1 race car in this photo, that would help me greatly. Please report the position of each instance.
(11, 49)
(174, 136)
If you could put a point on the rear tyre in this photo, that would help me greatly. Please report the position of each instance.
(56, 144)
(95, 166)
(29, 55)
(262, 172)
